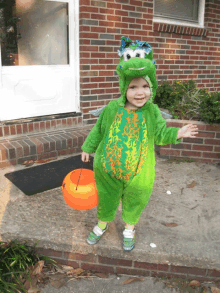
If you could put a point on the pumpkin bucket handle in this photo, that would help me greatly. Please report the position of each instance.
(80, 173)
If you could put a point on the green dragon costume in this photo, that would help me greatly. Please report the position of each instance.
(123, 140)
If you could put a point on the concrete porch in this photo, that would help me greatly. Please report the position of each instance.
(188, 249)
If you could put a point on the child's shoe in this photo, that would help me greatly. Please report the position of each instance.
(129, 239)
(96, 234)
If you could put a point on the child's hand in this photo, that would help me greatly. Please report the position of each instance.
(188, 130)
(85, 157)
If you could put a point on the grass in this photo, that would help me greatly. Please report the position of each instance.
(17, 261)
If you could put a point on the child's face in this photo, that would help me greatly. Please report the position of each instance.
(138, 93)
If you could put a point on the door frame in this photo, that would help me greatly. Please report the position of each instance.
(73, 66)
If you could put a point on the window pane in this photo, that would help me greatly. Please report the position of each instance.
(177, 9)
(36, 37)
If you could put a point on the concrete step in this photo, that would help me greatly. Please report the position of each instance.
(15, 150)
(189, 249)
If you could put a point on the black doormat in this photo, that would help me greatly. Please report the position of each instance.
(47, 176)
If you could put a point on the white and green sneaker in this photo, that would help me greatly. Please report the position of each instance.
(129, 239)
(96, 234)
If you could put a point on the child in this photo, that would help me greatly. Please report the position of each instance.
(123, 139)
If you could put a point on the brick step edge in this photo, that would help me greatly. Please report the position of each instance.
(45, 145)
(98, 263)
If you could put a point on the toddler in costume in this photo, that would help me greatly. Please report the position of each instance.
(123, 140)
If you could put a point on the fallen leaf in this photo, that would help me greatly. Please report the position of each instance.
(28, 163)
(132, 279)
(101, 275)
(75, 272)
(38, 268)
(170, 224)
(191, 185)
(194, 283)
(66, 268)
(204, 194)
(215, 290)
(32, 284)
(44, 160)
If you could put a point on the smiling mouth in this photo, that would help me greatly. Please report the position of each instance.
(139, 99)
(137, 68)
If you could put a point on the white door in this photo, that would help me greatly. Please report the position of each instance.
(39, 68)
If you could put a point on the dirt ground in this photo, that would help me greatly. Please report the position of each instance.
(202, 177)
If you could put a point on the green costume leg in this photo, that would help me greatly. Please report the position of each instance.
(136, 195)
(109, 190)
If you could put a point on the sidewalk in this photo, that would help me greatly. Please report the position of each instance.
(184, 226)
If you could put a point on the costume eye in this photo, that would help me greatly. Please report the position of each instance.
(140, 53)
(128, 54)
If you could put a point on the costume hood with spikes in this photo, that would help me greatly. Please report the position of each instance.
(136, 60)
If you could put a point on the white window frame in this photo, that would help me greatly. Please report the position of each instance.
(72, 67)
(200, 23)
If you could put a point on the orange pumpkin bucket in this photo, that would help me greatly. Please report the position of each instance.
(79, 189)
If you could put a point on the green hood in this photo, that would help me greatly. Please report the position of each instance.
(136, 60)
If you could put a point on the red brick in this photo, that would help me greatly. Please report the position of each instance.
(18, 149)
(202, 148)
(213, 128)
(217, 149)
(181, 146)
(85, 2)
(127, 7)
(12, 130)
(126, 271)
(88, 9)
(212, 141)
(36, 126)
(38, 144)
(213, 273)
(111, 261)
(187, 270)
(97, 29)
(70, 263)
(211, 155)
(121, 13)
(191, 154)
(97, 268)
(151, 266)
(136, 3)
(78, 256)
(114, 5)
(169, 152)
(6, 131)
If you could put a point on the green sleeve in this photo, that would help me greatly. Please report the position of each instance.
(95, 135)
(162, 134)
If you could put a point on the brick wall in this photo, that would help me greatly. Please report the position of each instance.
(98, 263)
(205, 147)
(181, 53)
